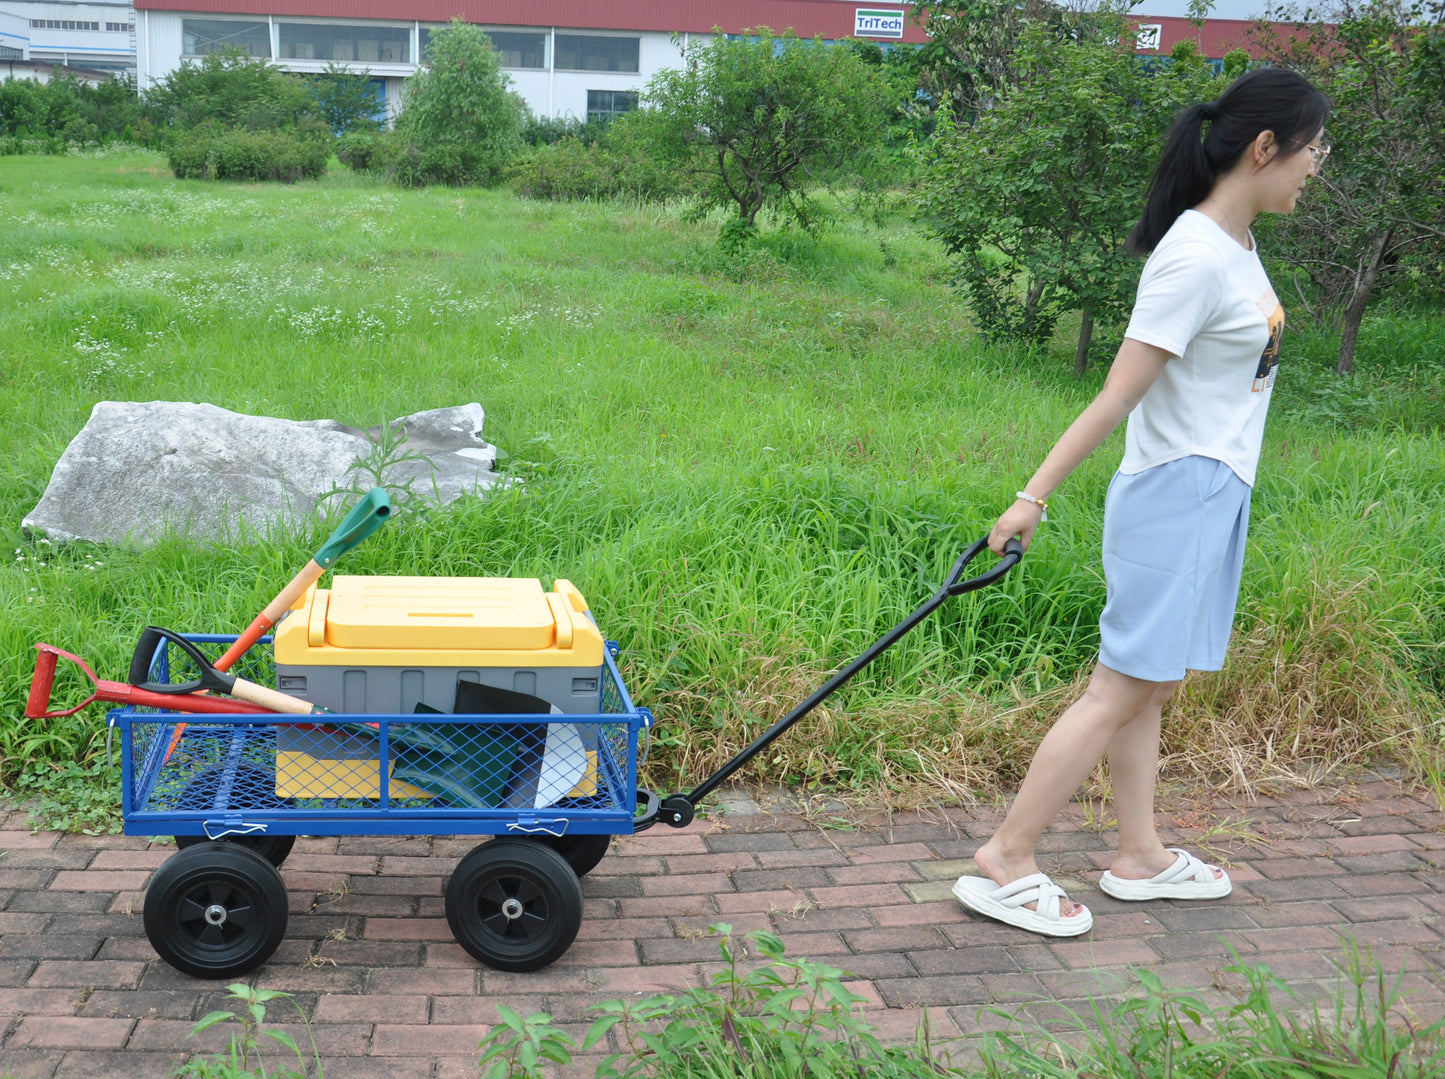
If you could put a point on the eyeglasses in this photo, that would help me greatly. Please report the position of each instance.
(1318, 155)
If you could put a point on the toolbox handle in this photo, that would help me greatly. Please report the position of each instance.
(677, 809)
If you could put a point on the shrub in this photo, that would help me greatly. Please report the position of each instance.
(547, 130)
(367, 151)
(620, 163)
(564, 171)
(67, 110)
(450, 163)
(215, 153)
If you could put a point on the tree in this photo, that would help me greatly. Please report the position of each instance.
(460, 124)
(1377, 209)
(973, 45)
(229, 89)
(765, 119)
(1034, 195)
(347, 101)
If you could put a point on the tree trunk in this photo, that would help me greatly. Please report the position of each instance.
(1359, 299)
(1031, 308)
(1081, 351)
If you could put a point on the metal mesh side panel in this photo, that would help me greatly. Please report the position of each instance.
(206, 765)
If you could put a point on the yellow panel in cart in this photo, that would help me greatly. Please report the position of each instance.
(440, 613)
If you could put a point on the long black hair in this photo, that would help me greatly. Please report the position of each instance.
(1266, 99)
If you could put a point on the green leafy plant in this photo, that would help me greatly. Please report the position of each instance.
(231, 89)
(518, 1048)
(68, 795)
(243, 1056)
(461, 123)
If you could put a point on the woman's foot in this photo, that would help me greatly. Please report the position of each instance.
(1176, 874)
(1002, 871)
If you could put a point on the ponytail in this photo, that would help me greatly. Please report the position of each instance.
(1208, 139)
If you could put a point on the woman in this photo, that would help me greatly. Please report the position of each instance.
(1194, 377)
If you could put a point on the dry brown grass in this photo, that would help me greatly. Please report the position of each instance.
(1304, 697)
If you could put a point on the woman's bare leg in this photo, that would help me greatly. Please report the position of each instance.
(1133, 768)
(1133, 757)
(1065, 758)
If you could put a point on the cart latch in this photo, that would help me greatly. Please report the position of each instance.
(220, 829)
(530, 825)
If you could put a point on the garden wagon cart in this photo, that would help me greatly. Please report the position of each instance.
(552, 785)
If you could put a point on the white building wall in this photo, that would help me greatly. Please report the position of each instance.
(79, 48)
(548, 92)
(157, 46)
(14, 36)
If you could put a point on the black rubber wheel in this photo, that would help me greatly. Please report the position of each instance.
(514, 904)
(254, 788)
(215, 910)
(582, 852)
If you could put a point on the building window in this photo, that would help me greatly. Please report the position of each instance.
(525, 49)
(63, 24)
(520, 50)
(361, 44)
(202, 36)
(605, 104)
(589, 52)
(120, 27)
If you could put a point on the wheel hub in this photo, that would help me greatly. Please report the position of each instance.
(512, 909)
(215, 914)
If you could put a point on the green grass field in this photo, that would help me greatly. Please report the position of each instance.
(751, 470)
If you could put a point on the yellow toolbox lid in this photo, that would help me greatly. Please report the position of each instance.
(435, 621)
(439, 613)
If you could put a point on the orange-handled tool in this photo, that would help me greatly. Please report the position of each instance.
(365, 518)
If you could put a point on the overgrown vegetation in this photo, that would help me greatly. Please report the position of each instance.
(48, 117)
(793, 1017)
(752, 470)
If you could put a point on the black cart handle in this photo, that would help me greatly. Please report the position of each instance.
(678, 809)
(1013, 551)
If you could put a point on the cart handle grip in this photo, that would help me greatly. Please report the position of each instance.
(1013, 551)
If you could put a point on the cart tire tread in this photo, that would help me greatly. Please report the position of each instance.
(514, 904)
(216, 910)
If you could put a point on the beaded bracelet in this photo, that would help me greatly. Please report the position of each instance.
(1041, 503)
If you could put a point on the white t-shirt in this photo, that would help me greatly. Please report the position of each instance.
(1208, 301)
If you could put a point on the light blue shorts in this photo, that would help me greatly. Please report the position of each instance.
(1173, 553)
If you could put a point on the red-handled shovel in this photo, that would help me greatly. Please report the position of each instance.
(41, 683)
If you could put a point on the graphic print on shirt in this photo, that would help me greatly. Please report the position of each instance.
(1269, 306)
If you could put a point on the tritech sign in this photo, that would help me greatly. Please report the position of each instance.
(873, 22)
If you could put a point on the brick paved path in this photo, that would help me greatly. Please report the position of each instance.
(371, 963)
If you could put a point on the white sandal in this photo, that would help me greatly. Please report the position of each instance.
(1005, 903)
(1188, 878)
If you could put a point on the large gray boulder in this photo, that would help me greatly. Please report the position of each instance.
(140, 470)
